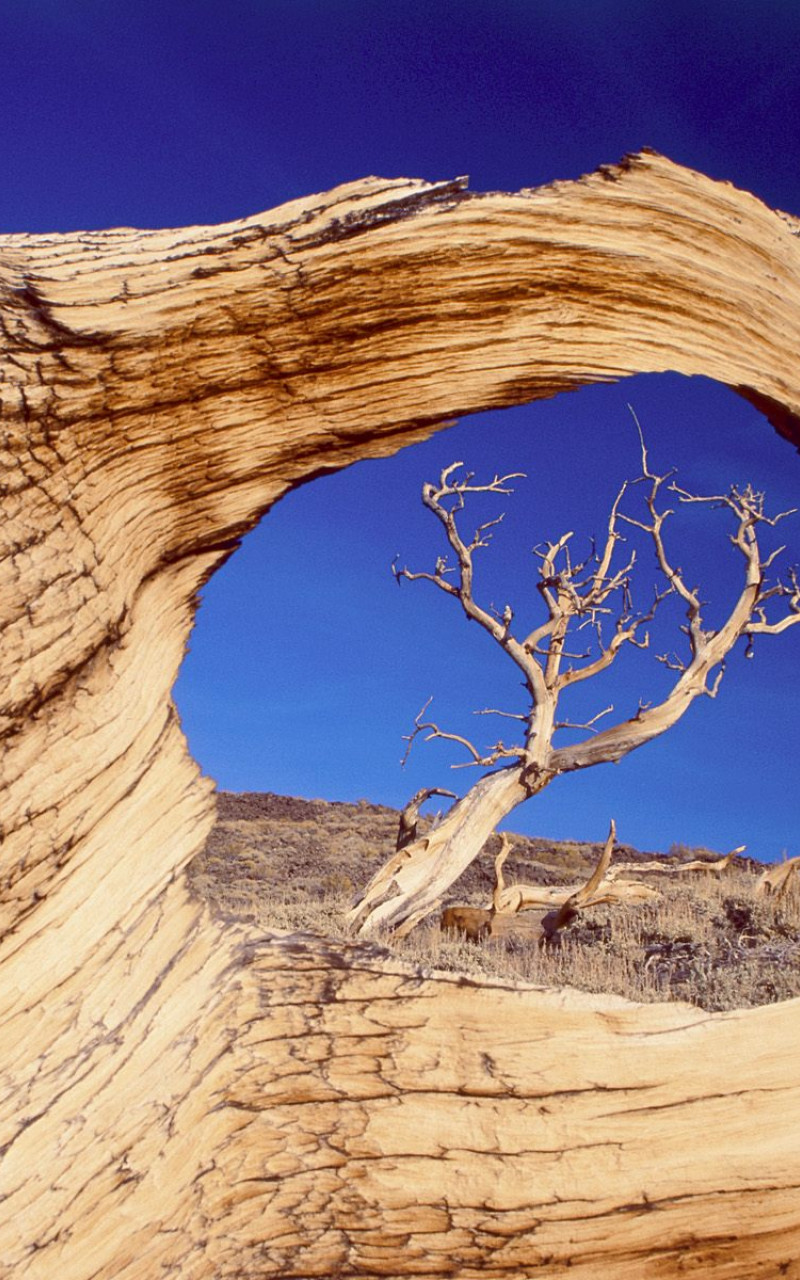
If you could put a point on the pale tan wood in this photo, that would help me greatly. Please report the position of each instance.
(181, 1098)
(511, 914)
(776, 880)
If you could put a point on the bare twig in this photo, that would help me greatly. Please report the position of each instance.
(492, 711)
(587, 724)
(431, 730)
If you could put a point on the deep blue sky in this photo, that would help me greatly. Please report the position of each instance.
(308, 663)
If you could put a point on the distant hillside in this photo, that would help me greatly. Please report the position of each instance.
(264, 841)
(288, 863)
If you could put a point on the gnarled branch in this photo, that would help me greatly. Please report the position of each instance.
(409, 816)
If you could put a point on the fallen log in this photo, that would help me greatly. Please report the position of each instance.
(180, 1097)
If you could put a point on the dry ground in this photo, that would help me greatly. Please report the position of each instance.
(290, 864)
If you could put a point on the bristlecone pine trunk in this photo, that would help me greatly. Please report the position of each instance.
(180, 1097)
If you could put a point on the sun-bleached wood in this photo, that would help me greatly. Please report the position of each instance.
(409, 816)
(776, 880)
(510, 915)
(604, 885)
(183, 1097)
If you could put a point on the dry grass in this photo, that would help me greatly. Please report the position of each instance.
(294, 865)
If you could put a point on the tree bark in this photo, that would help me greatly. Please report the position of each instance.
(182, 1097)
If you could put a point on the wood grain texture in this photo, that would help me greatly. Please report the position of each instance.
(178, 1098)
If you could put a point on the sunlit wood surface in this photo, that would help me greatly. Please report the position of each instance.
(177, 1098)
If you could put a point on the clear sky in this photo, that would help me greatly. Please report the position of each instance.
(308, 664)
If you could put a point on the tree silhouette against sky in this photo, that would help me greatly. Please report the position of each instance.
(590, 618)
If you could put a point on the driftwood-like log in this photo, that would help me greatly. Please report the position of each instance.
(178, 1097)
(603, 886)
(710, 866)
(505, 918)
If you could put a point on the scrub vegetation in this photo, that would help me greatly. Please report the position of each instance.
(294, 865)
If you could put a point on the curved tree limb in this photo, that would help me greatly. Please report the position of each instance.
(409, 816)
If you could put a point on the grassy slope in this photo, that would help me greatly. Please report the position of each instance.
(287, 863)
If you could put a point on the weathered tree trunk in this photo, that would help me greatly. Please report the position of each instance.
(181, 1098)
(411, 883)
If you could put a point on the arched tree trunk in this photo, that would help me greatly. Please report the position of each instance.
(182, 1098)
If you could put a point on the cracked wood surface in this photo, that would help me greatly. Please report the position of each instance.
(181, 1098)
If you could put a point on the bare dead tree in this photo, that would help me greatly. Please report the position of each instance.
(592, 596)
